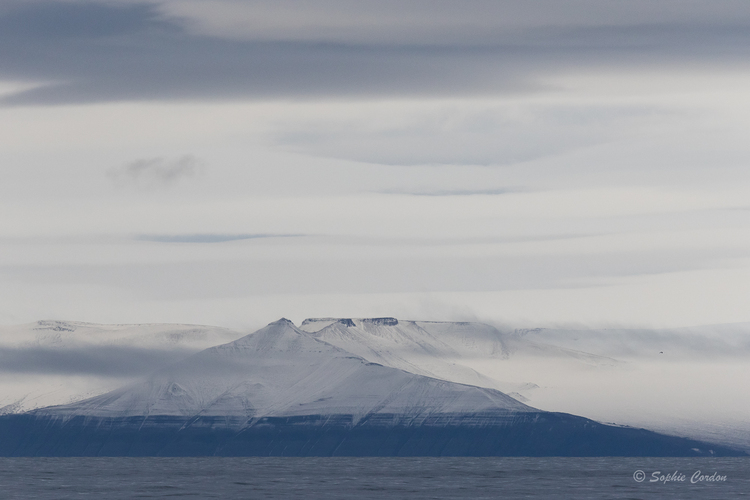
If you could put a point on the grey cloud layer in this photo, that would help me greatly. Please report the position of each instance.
(104, 361)
(93, 52)
(203, 280)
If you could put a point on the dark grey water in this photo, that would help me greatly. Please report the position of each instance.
(369, 478)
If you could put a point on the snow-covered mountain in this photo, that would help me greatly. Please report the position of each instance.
(285, 391)
(283, 371)
(332, 386)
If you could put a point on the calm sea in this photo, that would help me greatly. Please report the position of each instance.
(367, 478)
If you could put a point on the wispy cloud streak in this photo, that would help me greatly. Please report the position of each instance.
(208, 238)
(156, 172)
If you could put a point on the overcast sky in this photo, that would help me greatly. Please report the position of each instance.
(232, 162)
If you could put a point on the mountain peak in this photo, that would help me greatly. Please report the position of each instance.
(281, 321)
(273, 334)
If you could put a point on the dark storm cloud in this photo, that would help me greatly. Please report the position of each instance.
(94, 52)
(105, 361)
(44, 21)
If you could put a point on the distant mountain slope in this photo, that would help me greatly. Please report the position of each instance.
(406, 345)
(56, 362)
(465, 352)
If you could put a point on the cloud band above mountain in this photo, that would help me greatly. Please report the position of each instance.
(96, 52)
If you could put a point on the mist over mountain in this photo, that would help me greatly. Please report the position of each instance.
(56, 362)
